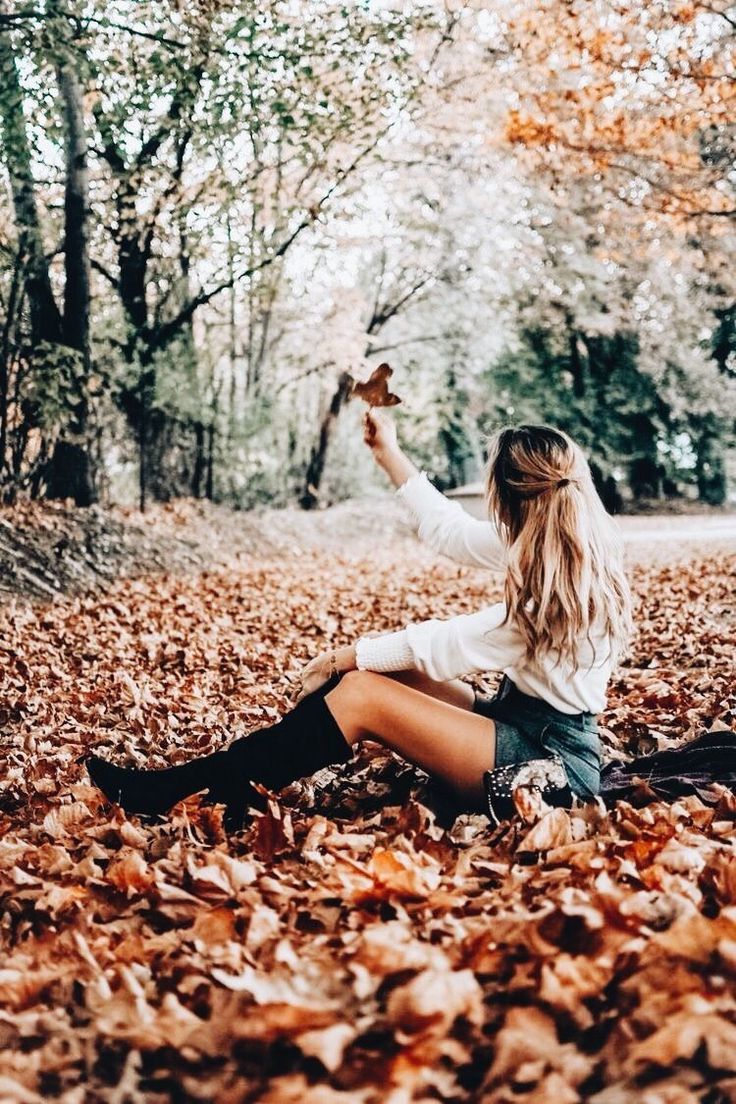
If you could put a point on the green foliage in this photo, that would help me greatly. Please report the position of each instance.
(54, 384)
(594, 388)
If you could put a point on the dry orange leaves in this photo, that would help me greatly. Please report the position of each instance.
(355, 944)
(620, 92)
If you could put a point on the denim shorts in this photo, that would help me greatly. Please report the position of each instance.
(529, 728)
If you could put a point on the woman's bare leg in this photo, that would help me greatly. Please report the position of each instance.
(447, 741)
(454, 691)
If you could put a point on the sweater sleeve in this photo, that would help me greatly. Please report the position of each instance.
(462, 645)
(448, 529)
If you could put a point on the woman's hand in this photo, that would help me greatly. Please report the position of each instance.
(379, 433)
(315, 674)
(322, 668)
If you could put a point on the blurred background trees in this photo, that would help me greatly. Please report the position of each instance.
(214, 213)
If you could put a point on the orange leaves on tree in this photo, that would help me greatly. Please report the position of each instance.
(621, 95)
(526, 130)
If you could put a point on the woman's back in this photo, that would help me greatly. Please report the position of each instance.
(489, 640)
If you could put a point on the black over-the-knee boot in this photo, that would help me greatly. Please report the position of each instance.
(304, 740)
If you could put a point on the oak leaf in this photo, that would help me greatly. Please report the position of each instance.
(374, 390)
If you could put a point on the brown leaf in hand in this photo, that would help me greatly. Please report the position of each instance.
(375, 389)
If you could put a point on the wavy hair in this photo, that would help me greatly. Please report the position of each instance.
(565, 565)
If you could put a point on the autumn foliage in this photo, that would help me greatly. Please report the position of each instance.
(639, 97)
(356, 943)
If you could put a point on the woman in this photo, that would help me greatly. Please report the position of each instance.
(556, 636)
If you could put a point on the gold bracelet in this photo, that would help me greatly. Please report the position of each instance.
(333, 665)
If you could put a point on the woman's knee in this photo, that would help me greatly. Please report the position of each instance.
(355, 703)
(359, 685)
(363, 694)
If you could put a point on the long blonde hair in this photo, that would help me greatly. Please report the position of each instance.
(565, 565)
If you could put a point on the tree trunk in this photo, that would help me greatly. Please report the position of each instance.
(44, 313)
(172, 457)
(645, 469)
(576, 363)
(76, 215)
(209, 490)
(165, 442)
(724, 340)
(453, 435)
(6, 356)
(710, 467)
(200, 459)
(309, 499)
(71, 471)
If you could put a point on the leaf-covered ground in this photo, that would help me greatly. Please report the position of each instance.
(353, 945)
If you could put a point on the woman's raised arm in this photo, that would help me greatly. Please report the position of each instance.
(444, 525)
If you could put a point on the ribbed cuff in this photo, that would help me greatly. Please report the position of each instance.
(384, 653)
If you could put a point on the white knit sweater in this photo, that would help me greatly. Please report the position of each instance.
(481, 641)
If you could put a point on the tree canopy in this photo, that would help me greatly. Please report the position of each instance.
(215, 213)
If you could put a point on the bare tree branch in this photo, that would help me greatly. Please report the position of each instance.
(388, 310)
(112, 280)
(11, 19)
(373, 350)
(722, 14)
(170, 329)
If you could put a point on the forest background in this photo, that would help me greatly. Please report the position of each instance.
(214, 213)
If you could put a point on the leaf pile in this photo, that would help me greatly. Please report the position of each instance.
(354, 944)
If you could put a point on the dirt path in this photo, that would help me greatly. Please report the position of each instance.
(718, 528)
(49, 550)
